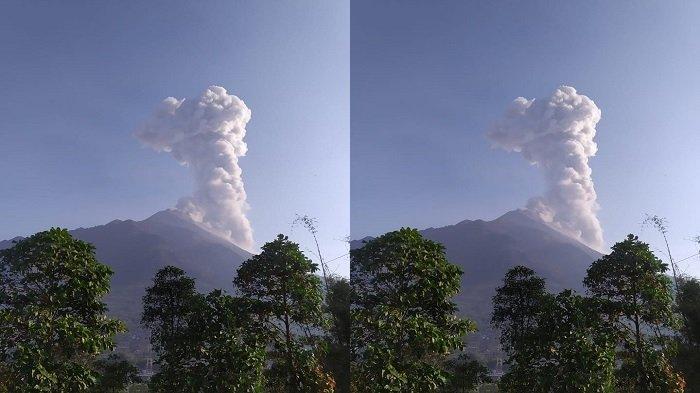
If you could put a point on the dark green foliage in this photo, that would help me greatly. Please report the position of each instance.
(227, 347)
(337, 359)
(403, 316)
(52, 318)
(554, 343)
(636, 298)
(286, 297)
(518, 305)
(687, 360)
(167, 306)
(115, 374)
(688, 303)
(204, 343)
(576, 347)
(465, 374)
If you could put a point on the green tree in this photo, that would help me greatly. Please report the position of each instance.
(577, 344)
(52, 317)
(554, 343)
(204, 343)
(228, 350)
(465, 374)
(517, 307)
(337, 358)
(403, 316)
(168, 306)
(637, 300)
(281, 285)
(687, 359)
(115, 374)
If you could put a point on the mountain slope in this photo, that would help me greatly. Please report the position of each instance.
(485, 250)
(135, 250)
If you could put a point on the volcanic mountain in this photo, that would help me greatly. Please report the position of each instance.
(135, 250)
(485, 250)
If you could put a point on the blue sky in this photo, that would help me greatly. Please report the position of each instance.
(77, 78)
(428, 78)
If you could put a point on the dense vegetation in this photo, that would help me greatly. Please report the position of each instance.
(403, 318)
(392, 328)
(620, 338)
(275, 335)
(52, 317)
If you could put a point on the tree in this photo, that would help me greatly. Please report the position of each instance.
(661, 225)
(517, 306)
(577, 345)
(204, 343)
(168, 306)
(554, 343)
(286, 296)
(337, 359)
(637, 300)
(52, 317)
(228, 350)
(403, 316)
(115, 374)
(687, 359)
(688, 303)
(465, 374)
(310, 224)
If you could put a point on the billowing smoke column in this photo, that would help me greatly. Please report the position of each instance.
(556, 134)
(206, 134)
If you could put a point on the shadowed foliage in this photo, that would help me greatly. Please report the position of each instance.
(636, 298)
(403, 316)
(286, 298)
(52, 317)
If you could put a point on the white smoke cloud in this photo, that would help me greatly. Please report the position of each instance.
(206, 134)
(556, 134)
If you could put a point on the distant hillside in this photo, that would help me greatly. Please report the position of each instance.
(487, 249)
(135, 250)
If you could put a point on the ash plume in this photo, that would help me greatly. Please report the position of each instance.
(556, 134)
(206, 134)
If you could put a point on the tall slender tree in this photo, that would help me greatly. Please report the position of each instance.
(281, 285)
(636, 295)
(168, 306)
(310, 224)
(337, 357)
(517, 306)
(687, 359)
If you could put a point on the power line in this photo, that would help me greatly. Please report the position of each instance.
(686, 258)
(338, 257)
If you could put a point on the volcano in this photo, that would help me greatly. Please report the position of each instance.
(136, 250)
(485, 250)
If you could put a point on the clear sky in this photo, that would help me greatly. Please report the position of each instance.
(78, 77)
(428, 78)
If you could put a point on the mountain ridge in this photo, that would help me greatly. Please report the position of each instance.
(136, 250)
(485, 250)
